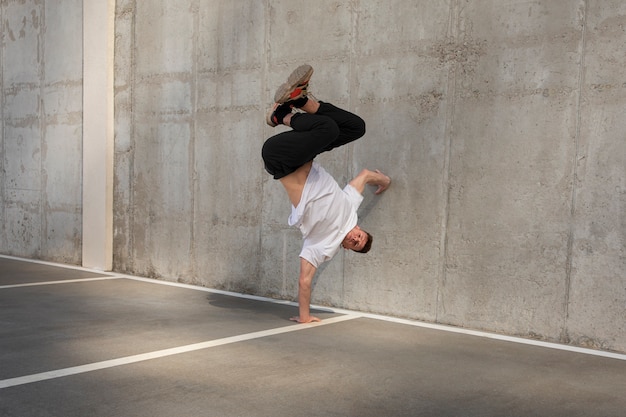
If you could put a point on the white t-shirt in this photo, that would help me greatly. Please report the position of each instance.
(325, 215)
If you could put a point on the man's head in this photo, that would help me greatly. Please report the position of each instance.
(357, 240)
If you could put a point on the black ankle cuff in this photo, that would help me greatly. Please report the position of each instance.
(297, 103)
(282, 111)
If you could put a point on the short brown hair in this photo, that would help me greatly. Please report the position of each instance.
(368, 244)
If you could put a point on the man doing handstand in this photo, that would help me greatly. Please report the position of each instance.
(325, 214)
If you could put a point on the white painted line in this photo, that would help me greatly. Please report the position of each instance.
(67, 281)
(353, 314)
(59, 373)
(407, 322)
(66, 266)
(487, 335)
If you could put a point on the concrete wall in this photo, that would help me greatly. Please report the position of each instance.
(501, 124)
(41, 132)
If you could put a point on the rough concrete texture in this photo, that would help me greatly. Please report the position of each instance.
(501, 124)
(41, 84)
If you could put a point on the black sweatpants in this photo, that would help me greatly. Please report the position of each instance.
(312, 134)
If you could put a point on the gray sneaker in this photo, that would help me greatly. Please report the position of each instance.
(296, 85)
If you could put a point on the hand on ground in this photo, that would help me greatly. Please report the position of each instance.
(310, 319)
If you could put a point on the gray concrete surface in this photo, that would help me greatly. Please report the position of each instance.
(41, 135)
(501, 124)
(357, 367)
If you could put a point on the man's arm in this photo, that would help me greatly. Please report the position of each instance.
(307, 272)
(373, 178)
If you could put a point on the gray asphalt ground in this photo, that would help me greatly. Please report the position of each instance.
(80, 343)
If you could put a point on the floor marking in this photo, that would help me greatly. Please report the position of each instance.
(487, 335)
(59, 373)
(356, 314)
(408, 322)
(67, 281)
(58, 265)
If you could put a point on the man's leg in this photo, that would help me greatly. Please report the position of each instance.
(351, 126)
(320, 128)
(311, 135)
(295, 93)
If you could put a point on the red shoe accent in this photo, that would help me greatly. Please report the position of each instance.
(295, 93)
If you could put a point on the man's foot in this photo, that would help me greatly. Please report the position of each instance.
(296, 86)
(277, 113)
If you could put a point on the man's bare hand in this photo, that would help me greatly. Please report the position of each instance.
(367, 177)
(310, 319)
(383, 182)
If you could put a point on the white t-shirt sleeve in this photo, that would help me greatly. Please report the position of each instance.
(355, 197)
(315, 255)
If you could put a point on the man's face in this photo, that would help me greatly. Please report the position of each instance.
(355, 239)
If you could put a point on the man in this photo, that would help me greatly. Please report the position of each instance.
(325, 214)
